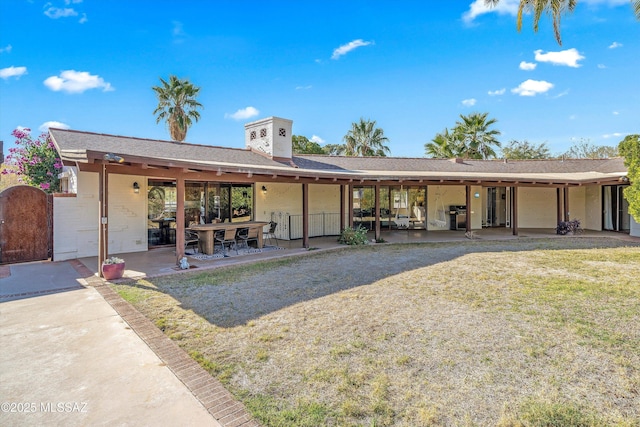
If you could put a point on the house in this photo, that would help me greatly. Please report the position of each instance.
(129, 194)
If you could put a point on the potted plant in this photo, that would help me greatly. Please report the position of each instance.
(113, 268)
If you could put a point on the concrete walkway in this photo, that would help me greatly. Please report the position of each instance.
(68, 358)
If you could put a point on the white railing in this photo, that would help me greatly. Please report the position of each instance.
(320, 224)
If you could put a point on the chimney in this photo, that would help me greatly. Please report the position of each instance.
(457, 160)
(271, 137)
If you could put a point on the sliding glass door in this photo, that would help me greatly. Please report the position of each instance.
(615, 209)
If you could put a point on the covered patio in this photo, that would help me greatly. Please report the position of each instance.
(161, 261)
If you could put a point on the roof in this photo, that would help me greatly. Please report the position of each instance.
(86, 147)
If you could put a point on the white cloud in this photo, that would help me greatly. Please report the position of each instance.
(178, 29)
(317, 139)
(346, 48)
(56, 12)
(72, 81)
(83, 19)
(497, 92)
(532, 87)
(53, 124)
(615, 113)
(469, 102)
(613, 135)
(569, 57)
(243, 113)
(68, 2)
(479, 7)
(561, 94)
(602, 66)
(5, 73)
(304, 87)
(615, 45)
(527, 66)
(6, 49)
(611, 3)
(573, 117)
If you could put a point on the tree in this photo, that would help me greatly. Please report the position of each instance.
(475, 136)
(302, 145)
(444, 145)
(334, 149)
(586, 150)
(365, 139)
(629, 148)
(9, 177)
(177, 105)
(35, 161)
(555, 8)
(521, 150)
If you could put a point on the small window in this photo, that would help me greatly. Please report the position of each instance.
(263, 133)
(282, 132)
(252, 135)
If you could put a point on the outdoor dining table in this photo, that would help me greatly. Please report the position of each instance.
(205, 232)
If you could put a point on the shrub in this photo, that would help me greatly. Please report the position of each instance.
(566, 227)
(353, 236)
(36, 160)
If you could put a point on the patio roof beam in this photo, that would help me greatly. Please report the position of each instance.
(220, 175)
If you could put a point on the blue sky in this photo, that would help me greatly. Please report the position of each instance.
(410, 65)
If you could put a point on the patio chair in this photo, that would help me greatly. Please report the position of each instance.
(227, 237)
(271, 233)
(246, 235)
(191, 238)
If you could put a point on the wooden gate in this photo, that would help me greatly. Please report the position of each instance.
(26, 224)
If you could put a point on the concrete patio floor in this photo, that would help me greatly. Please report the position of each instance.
(162, 261)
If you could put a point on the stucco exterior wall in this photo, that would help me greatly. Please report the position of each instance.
(592, 219)
(127, 214)
(286, 198)
(75, 219)
(635, 228)
(537, 207)
(577, 208)
(476, 207)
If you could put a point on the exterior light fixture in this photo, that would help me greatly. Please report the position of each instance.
(264, 190)
(476, 195)
(136, 187)
(110, 157)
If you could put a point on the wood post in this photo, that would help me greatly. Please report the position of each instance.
(468, 202)
(377, 210)
(179, 218)
(342, 207)
(305, 216)
(514, 209)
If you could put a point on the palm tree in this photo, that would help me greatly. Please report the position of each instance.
(444, 145)
(177, 105)
(365, 139)
(556, 9)
(477, 139)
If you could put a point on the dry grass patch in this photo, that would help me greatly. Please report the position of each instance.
(528, 332)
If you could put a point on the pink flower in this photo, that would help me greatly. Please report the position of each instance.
(45, 185)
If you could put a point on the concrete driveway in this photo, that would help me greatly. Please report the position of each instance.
(67, 358)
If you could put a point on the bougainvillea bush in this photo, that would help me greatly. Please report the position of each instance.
(36, 160)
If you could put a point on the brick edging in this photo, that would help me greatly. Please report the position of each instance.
(210, 392)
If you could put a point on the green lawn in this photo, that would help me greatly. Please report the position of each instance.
(531, 332)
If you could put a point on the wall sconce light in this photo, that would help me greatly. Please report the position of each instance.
(476, 195)
(264, 190)
(136, 187)
(110, 157)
